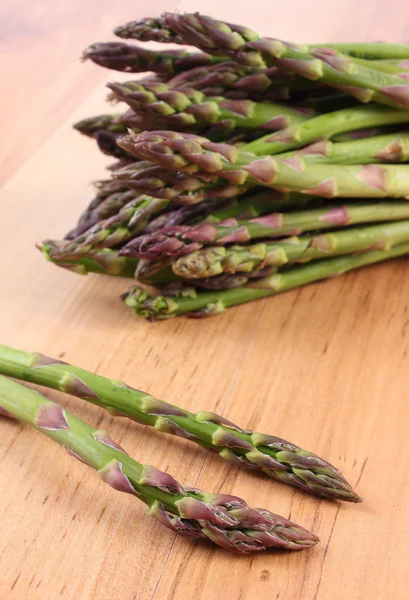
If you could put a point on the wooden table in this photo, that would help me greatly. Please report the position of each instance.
(325, 366)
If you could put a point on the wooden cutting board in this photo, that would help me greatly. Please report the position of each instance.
(325, 366)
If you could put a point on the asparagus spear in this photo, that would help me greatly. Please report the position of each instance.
(395, 67)
(105, 261)
(180, 240)
(104, 189)
(162, 29)
(92, 125)
(213, 261)
(241, 208)
(274, 456)
(324, 127)
(105, 209)
(105, 129)
(391, 148)
(159, 271)
(134, 59)
(186, 214)
(148, 30)
(225, 520)
(317, 63)
(223, 77)
(225, 130)
(204, 304)
(148, 178)
(108, 233)
(374, 50)
(189, 107)
(362, 81)
(188, 152)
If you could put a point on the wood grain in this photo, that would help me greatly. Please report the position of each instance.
(325, 366)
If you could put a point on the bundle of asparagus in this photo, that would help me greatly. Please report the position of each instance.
(247, 168)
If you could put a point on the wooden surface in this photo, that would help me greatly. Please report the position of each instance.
(325, 366)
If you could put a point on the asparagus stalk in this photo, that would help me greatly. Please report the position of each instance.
(92, 125)
(186, 214)
(159, 271)
(225, 520)
(188, 152)
(395, 67)
(203, 304)
(164, 30)
(104, 262)
(182, 188)
(324, 127)
(274, 456)
(180, 240)
(105, 129)
(225, 77)
(241, 208)
(232, 80)
(393, 148)
(120, 56)
(108, 233)
(148, 30)
(139, 122)
(190, 107)
(328, 65)
(105, 209)
(104, 189)
(225, 130)
(213, 261)
(374, 50)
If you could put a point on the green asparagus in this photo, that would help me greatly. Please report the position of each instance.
(188, 107)
(189, 153)
(203, 304)
(135, 59)
(225, 520)
(180, 240)
(274, 456)
(317, 63)
(324, 127)
(108, 233)
(215, 260)
(393, 148)
(200, 29)
(105, 261)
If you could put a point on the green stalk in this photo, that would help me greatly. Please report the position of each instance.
(213, 261)
(395, 67)
(188, 107)
(129, 221)
(104, 262)
(326, 127)
(277, 458)
(226, 520)
(136, 59)
(393, 148)
(203, 304)
(102, 209)
(373, 50)
(326, 65)
(195, 154)
(165, 30)
(182, 240)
